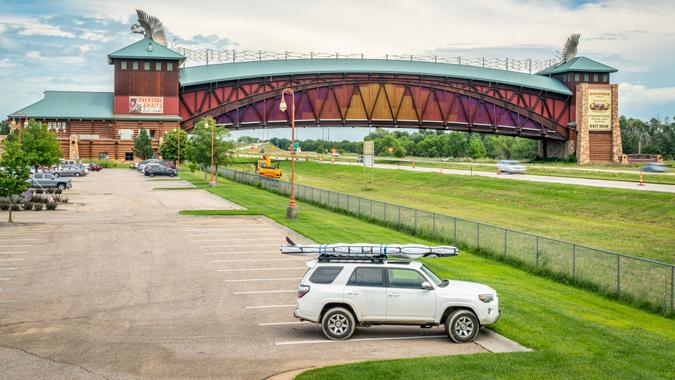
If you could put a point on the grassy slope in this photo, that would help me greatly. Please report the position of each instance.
(575, 333)
(637, 223)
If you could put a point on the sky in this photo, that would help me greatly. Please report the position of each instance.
(62, 45)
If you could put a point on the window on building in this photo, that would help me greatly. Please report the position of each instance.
(605, 78)
(586, 78)
(103, 156)
(126, 134)
(169, 66)
(576, 77)
(123, 65)
(146, 66)
(158, 66)
(129, 156)
(595, 78)
(152, 133)
(134, 65)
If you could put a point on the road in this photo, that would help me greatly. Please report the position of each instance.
(117, 285)
(526, 177)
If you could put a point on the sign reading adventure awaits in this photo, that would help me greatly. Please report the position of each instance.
(146, 104)
(599, 109)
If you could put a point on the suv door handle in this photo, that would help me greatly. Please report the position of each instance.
(393, 294)
(352, 293)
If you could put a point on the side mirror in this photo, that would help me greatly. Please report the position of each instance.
(426, 285)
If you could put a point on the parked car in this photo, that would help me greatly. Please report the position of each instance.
(142, 164)
(511, 167)
(655, 167)
(95, 167)
(70, 171)
(343, 295)
(156, 169)
(49, 181)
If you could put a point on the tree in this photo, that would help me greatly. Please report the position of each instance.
(41, 146)
(4, 128)
(169, 147)
(143, 145)
(14, 172)
(476, 147)
(200, 141)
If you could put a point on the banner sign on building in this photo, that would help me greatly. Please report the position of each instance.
(146, 104)
(599, 109)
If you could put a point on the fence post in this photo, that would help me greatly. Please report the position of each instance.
(415, 221)
(574, 261)
(672, 288)
(505, 240)
(537, 260)
(433, 231)
(359, 205)
(348, 209)
(371, 209)
(454, 234)
(618, 276)
(399, 216)
(385, 211)
(477, 235)
(328, 202)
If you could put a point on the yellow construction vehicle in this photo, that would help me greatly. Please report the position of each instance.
(265, 168)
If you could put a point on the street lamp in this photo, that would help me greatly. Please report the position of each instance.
(207, 122)
(291, 211)
(177, 130)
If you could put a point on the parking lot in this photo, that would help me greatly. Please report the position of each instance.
(116, 284)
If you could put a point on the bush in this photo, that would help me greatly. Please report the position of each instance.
(51, 206)
(4, 206)
(193, 167)
(16, 207)
(63, 199)
(38, 206)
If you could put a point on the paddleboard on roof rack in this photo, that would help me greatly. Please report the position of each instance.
(411, 251)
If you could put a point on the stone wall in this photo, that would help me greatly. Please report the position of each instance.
(582, 146)
(617, 148)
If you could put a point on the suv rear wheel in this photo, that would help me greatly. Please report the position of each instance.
(338, 324)
(462, 326)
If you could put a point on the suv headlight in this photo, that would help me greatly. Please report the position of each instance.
(486, 297)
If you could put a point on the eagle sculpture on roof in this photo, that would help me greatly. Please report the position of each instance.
(150, 27)
(569, 49)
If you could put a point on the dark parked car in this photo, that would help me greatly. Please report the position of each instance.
(49, 181)
(156, 169)
(95, 167)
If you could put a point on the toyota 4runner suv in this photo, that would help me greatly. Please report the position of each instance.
(343, 295)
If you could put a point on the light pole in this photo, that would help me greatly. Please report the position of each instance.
(178, 130)
(291, 211)
(212, 123)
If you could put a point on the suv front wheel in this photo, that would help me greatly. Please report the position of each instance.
(338, 324)
(462, 326)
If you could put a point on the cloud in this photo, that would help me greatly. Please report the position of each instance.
(638, 94)
(34, 28)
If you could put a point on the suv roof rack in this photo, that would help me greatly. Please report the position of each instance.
(368, 252)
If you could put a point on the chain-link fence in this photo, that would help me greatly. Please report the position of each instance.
(201, 56)
(628, 277)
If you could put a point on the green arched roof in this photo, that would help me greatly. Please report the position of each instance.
(244, 70)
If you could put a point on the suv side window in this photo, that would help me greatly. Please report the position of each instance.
(37, 176)
(405, 278)
(365, 276)
(325, 275)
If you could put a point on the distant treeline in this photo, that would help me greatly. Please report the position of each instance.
(655, 136)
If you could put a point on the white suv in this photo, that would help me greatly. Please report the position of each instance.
(347, 294)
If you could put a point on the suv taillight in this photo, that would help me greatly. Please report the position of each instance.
(302, 290)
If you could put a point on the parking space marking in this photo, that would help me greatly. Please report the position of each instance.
(9, 268)
(264, 292)
(14, 253)
(238, 252)
(5, 278)
(265, 279)
(268, 306)
(247, 260)
(24, 239)
(291, 342)
(252, 269)
(280, 323)
(17, 245)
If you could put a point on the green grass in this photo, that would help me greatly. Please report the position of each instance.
(625, 221)
(575, 333)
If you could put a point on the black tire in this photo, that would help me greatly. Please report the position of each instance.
(77, 174)
(338, 323)
(172, 174)
(61, 186)
(152, 175)
(462, 326)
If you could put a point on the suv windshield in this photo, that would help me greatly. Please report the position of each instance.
(433, 277)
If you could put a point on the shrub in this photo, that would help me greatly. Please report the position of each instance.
(37, 206)
(4, 206)
(193, 167)
(16, 207)
(51, 206)
(63, 199)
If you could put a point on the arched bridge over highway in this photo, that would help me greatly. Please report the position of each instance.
(378, 93)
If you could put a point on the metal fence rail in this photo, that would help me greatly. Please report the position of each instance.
(201, 56)
(628, 277)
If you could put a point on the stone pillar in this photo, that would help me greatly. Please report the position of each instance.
(557, 149)
(583, 149)
(617, 147)
(74, 150)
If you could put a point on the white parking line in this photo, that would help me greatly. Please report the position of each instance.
(286, 343)
(18, 245)
(246, 260)
(9, 268)
(4, 279)
(238, 252)
(280, 323)
(14, 253)
(230, 246)
(24, 239)
(11, 259)
(268, 306)
(265, 292)
(265, 279)
(252, 269)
